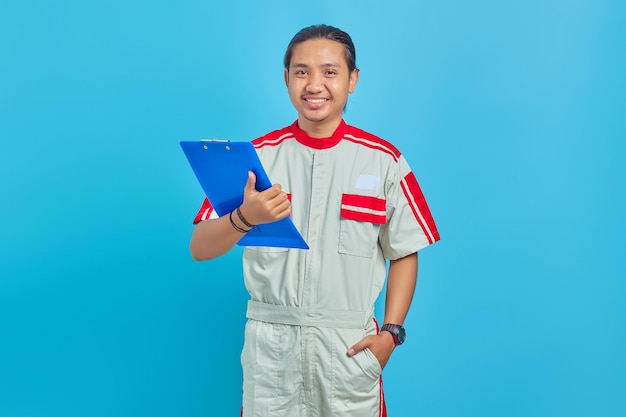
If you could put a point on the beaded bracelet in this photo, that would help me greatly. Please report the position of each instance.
(237, 228)
(243, 220)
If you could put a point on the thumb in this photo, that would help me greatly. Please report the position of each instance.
(357, 347)
(250, 183)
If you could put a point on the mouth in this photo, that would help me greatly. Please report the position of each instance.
(316, 100)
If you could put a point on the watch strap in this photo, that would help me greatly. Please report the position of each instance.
(397, 332)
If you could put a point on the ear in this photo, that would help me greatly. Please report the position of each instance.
(287, 78)
(354, 78)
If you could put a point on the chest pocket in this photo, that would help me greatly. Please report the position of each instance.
(361, 218)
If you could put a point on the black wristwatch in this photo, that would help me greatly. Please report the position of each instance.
(397, 331)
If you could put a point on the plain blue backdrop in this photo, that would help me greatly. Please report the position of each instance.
(511, 113)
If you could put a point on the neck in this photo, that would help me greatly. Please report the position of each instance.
(323, 129)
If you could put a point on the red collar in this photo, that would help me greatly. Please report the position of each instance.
(319, 143)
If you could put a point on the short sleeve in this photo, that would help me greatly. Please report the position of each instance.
(206, 212)
(410, 225)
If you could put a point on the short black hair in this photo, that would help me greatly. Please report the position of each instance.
(323, 32)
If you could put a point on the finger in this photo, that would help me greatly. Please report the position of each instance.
(272, 192)
(279, 203)
(282, 211)
(357, 347)
(278, 199)
(284, 205)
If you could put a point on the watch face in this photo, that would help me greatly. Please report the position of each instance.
(401, 335)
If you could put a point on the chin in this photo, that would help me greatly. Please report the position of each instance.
(311, 117)
(317, 116)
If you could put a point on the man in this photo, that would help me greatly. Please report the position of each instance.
(312, 345)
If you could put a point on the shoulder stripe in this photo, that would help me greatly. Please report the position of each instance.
(376, 143)
(270, 141)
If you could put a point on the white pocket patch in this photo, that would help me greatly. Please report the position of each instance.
(367, 182)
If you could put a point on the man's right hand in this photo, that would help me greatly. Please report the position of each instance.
(265, 206)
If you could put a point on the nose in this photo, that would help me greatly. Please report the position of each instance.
(316, 82)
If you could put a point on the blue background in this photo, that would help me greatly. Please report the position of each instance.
(511, 113)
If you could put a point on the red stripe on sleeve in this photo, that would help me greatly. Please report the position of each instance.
(413, 191)
(204, 212)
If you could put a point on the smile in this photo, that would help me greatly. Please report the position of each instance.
(316, 100)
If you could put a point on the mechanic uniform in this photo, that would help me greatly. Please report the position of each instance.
(356, 203)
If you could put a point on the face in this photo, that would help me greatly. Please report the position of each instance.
(318, 81)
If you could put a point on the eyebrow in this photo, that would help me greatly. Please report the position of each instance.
(327, 65)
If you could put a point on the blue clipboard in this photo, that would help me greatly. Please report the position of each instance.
(221, 168)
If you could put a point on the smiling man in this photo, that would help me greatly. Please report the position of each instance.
(319, 79)
(312, 344)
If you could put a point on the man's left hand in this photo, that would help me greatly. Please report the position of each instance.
(381, 346)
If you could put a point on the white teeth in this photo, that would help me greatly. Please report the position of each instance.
(316, 100)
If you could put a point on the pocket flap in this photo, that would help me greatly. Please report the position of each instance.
(364, 208)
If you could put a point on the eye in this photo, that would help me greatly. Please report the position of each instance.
(330, 73)
(300, 73)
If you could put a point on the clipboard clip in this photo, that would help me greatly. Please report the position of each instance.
(216, 141)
